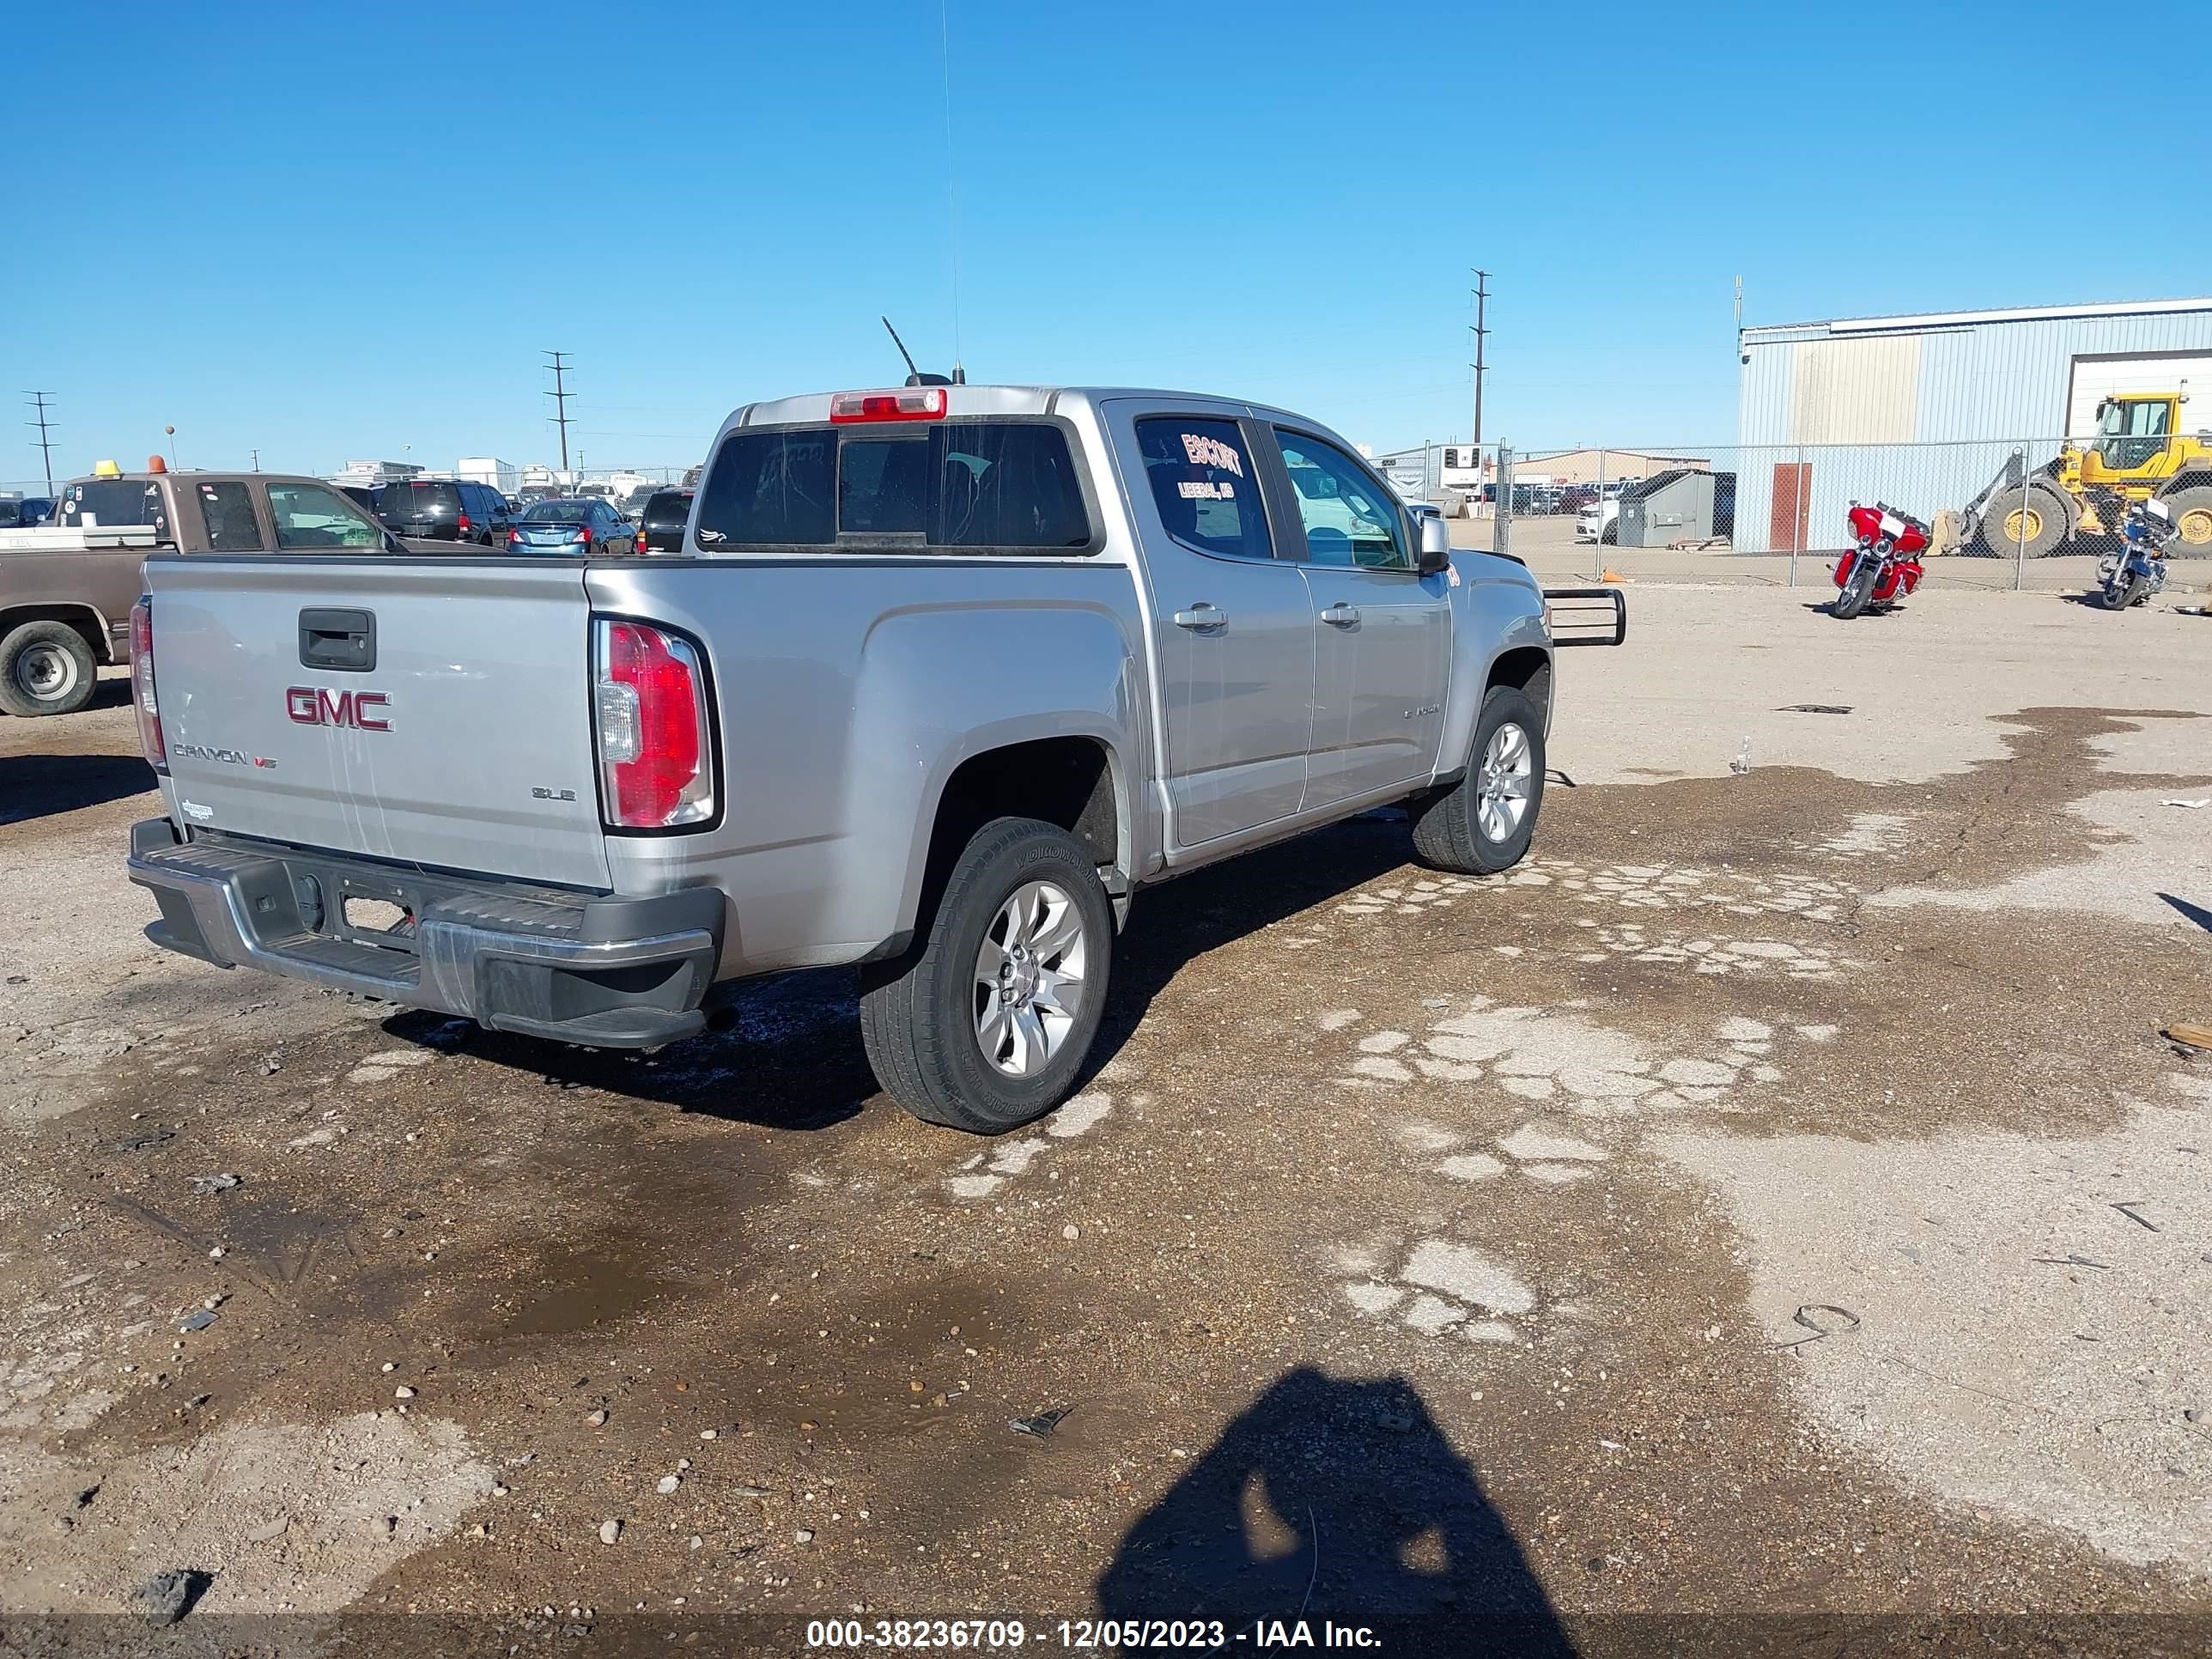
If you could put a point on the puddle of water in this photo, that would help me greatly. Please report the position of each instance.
(600, 1284)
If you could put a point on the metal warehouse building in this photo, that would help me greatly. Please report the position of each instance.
(1924, 410)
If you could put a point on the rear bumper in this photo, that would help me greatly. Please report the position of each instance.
(605, 972)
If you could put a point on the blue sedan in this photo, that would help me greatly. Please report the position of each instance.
(582, 525)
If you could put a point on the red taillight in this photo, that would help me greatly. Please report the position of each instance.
(514, 536)
(922, 403)
(656, 765)
(150, 741)
(466, 529)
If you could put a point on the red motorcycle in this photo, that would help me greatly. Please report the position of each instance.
(1882, 568)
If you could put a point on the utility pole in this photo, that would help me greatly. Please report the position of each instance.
(46, 429)
(560, 397)
(1481, 333)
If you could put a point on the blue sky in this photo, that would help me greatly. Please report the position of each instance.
(332, 232)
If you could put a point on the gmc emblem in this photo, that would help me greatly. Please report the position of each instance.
(362, 711)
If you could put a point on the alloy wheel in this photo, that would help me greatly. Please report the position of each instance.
(1029, 980)
(1501, 782)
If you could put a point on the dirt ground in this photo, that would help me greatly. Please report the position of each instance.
(1767, 1221)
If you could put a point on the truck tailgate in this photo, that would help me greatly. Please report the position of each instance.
(433, 712)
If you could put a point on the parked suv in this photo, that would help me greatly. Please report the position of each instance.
(660, 526)
(942, 678)
(445, 510)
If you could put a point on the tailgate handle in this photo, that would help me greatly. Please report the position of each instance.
(344, 639)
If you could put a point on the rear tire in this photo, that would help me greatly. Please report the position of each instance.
(2033, 521)
(45, 668)
(1471, 827)
(2191, 510)
(924, 1018)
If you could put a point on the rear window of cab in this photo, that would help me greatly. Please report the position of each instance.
(973, 486)
(415, 502)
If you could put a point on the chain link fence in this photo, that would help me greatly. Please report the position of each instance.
(2003, 514)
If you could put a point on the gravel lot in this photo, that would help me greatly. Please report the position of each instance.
(1767, 1221)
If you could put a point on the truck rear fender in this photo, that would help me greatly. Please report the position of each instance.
(955, 759)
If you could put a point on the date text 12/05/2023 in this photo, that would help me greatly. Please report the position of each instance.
(1079, 1635)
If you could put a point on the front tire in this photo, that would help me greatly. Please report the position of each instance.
(2031, 521)
(985, 1024)
(1484, 822)
(45, 668)
(1857, 589)
(2119, 594)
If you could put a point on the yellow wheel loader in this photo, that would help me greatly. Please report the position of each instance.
(2140, 452)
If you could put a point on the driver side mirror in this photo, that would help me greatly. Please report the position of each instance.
(1435, 546)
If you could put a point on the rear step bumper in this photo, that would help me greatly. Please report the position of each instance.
(605, 972)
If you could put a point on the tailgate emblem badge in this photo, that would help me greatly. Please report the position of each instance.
(359, 711)
(225, 757)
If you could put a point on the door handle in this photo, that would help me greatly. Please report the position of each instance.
(1341, 616)
(1202, 616)
(344, 639)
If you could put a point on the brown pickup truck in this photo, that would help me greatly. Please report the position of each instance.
(66, 590)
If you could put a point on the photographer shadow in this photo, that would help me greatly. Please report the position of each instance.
(1338, 1501)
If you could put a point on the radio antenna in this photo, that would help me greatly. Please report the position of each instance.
(951, 184)
(914, 376)
(904, 353)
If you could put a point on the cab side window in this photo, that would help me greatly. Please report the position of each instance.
(1205, 484)
(231, 525)
(310, 518)
(1349, 518)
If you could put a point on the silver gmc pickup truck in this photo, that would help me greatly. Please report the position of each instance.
(942, 677)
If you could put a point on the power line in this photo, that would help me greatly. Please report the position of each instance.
(560, 366)
(46, 429)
